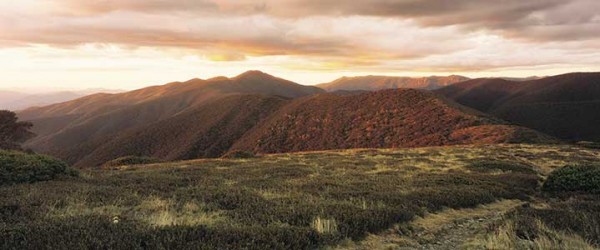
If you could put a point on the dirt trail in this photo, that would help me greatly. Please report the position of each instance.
(448, 229)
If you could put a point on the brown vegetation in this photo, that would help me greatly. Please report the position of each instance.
(384, 119)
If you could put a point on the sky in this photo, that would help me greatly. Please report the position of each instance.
(129, 44)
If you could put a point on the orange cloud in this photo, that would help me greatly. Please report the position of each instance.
(225, 57)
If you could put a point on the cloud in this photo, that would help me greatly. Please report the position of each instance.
(95, 7)
(235, 37)
(387, 34)
(225, 56)
(540, 20)
(528, 19)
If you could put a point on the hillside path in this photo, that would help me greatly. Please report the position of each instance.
(447, 230)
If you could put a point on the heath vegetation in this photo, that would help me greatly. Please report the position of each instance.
(283, 201)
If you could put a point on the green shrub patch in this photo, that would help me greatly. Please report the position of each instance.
(575, 178)
(18, 167)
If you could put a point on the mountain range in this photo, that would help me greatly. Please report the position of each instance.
(16, 100)
(75, 130)
(255, 112)
(373, 83)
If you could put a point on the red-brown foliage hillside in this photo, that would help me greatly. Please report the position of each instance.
(389, 118)
(566, 106)
(372, 83)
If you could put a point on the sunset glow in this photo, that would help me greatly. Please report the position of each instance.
(127, 44)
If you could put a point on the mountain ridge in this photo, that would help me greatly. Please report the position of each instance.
(378, 82)
(95, 117)
(15, 100)
(564, 106)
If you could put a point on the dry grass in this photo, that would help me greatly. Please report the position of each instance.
(163, 212)
(272, 194)
(381, 168)
(544, 158)
(506, 237)
(432, 223)
(428, 228)
(154, 211)
(325, 226)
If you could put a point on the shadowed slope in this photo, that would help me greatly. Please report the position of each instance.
(100, 117)
(390, 118)
(207, 131)
(371, 83)
(565, 106)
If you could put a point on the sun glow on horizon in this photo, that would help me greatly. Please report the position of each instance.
(130, 44)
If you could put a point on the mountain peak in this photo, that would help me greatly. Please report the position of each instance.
(218, 78)
(253, 74)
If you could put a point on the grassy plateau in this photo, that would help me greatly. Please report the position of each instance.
(472, 197)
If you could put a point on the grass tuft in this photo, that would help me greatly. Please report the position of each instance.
(325, 226)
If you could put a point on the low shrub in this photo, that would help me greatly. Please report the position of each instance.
(18, 167)
(94, 232)
(131, 160)
(576, 178)
(492, 166)
(239, 154)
